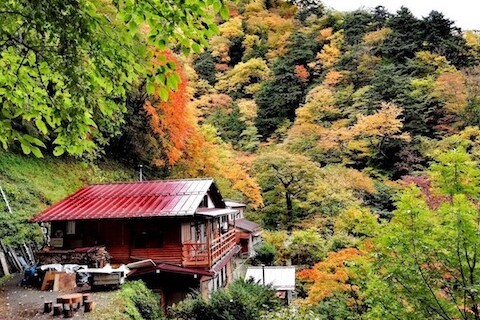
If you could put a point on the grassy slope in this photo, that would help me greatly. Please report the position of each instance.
(32, 184)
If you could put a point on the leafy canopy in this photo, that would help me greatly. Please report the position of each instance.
(67, 65)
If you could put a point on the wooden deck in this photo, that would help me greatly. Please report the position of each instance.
(204, 254)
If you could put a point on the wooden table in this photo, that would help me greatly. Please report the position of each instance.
(71, 299)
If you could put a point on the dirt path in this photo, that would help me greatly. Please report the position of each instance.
(18, 302)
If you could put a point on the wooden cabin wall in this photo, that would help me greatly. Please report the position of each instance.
(158, 239)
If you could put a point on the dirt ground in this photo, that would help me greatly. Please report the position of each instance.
(17, 302)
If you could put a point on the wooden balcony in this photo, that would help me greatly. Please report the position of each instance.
(205, 254)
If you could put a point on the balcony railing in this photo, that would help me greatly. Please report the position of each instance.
(204, 254)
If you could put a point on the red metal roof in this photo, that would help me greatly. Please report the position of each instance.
(130, 200)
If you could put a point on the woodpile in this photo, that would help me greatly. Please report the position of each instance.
(93, 256)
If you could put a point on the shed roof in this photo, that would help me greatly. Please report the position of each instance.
(247, 225)
(215, 212)
(280, 278)
(234, 204)
(132, 200)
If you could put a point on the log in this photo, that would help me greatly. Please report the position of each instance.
(57, 309)
(47, 307)
(86, 296)
(88, 305)
(68, 312)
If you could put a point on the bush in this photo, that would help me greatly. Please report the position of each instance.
(242, 300)
(136, 302)
(265, 253)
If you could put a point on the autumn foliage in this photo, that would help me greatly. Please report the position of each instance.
(331, 275)
(171, 120)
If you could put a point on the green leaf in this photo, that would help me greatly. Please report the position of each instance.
(186, 51)
(41, 125)
(25, 148)
(163, 92)
(150, 87)
(217, 5)
(36, 152)
(58, 151)
(196, 47)
(172, 83)
(214, 28)
(33, 140)
(224, 13)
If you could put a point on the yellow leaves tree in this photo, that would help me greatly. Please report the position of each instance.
(232, 28)
(336, 190)
(322, 132)
(220, 48)
(377, 36)
(206, 104)
(244, 78)
(451, 90)
(319, 106)
(277, 28)
(370, 132)
(382, 123)
(330, 52)
(436, 63)
(357, 222)
(250, 41)
(248, 109)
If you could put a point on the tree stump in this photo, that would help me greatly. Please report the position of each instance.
(88, 305)
(57, 309)
(47, 307)
(86, 296)
(68, 312)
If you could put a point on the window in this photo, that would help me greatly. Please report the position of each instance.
(198, 232)
(147, 235)
(204, 203)
(70, 227)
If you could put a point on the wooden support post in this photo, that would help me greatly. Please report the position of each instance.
(86, 296)
(209, 248)
(88, 305)
(68, 312)
(47, 307)
(57, 309)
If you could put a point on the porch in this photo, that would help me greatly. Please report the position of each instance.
(204, 254)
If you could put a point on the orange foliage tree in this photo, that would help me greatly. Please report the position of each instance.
(207, 155)
(170, 120)
(331, 275)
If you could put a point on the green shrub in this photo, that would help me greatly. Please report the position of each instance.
(135, 302)
(265, 253)
(242, 300)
